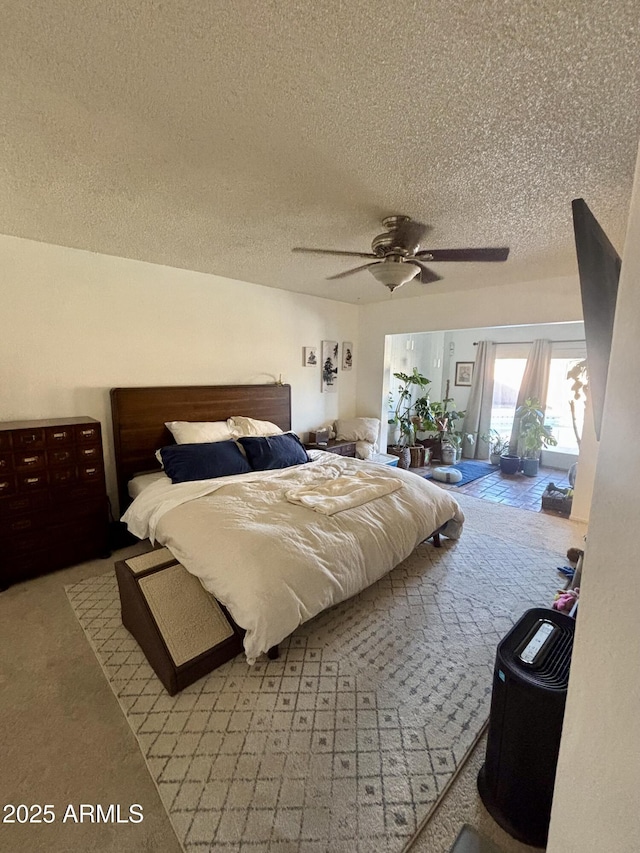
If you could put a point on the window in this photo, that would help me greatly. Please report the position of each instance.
(507, 379)
(506, 384)
(558, 411)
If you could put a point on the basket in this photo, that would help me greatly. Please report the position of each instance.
(403, 454)
(417, 456)
(557, 500)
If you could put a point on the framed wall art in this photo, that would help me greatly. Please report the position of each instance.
(464, 372)
(310, 356)
(347, 355)
(329, 366)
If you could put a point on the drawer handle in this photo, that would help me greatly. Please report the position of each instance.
(22, 525)
(30, 480)
(90, 470)
(29, 439)
(4, 484)
(87, 432)
(29, 460)
(59, 435)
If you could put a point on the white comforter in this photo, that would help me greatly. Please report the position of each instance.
(275, 564)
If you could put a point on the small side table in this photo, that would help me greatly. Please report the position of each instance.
(342, 448)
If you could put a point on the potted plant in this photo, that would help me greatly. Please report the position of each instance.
(439, 422)
(534, 435)
(497, 445)
(404, 413)
(393, 427)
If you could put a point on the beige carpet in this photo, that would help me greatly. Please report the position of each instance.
(348, 741)
(64, 738)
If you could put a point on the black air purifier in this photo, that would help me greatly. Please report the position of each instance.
(527, 707)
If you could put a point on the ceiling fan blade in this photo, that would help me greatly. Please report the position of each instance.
(354, 270)
(412, 233)
(426, 276)
(334, 252)
(471, 255)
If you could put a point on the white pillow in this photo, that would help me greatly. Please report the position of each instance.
(364, 449)
(239, 427)
(198, 432)
(358, 429)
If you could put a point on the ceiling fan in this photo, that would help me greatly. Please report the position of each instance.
(399, 257)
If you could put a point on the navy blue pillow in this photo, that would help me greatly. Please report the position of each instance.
(186, 462)
(275, 451)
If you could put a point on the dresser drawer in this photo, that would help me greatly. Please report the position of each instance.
(62, 476)
(87, 434)
(25, 540)
(28, 439)
(61, 456)
(5, 440)
(59, 435)
(7, 485)
(22, 504)
(91, 472)
(29, 482)
(89, 453)
(75, 494)
(29, 460)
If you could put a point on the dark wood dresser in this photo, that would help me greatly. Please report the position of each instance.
(53, 500)
(342, 448)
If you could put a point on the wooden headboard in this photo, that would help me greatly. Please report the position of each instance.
(139, 416)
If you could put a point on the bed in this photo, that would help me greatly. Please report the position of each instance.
(275, 547)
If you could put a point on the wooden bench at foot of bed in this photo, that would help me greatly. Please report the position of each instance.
(182, 630)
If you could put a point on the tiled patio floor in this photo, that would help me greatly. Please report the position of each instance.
(510, 489)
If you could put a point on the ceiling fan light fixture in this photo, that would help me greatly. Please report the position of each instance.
(394, 274)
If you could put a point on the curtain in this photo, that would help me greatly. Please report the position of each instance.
(535, 383)
(478, 417)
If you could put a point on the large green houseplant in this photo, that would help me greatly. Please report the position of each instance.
(404, 413)
(533, 436)
(442, 423)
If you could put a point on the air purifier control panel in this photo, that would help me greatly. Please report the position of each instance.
(537, 641)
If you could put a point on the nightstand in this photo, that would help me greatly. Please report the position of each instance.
(342, 448)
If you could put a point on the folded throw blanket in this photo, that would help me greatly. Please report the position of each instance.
(340, 493)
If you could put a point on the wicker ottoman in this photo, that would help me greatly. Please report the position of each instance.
(183, 631)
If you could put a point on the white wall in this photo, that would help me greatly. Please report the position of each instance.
(75, 324)
(596, 797)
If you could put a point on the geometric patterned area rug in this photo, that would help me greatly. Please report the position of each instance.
(347, 741)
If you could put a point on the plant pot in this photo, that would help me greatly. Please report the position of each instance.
(530, 467)
(403, 454)
(433, 445)
(447, 453)
(494, 458)
(509, 463)
(417, 456)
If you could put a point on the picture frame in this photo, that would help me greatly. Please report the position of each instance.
(310, 356)
(347, 355)
(329, 366)
(464, 373)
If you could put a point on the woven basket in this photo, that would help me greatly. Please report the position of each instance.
(417, 456)
(403, 454)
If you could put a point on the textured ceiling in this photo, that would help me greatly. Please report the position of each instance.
(215, 136)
